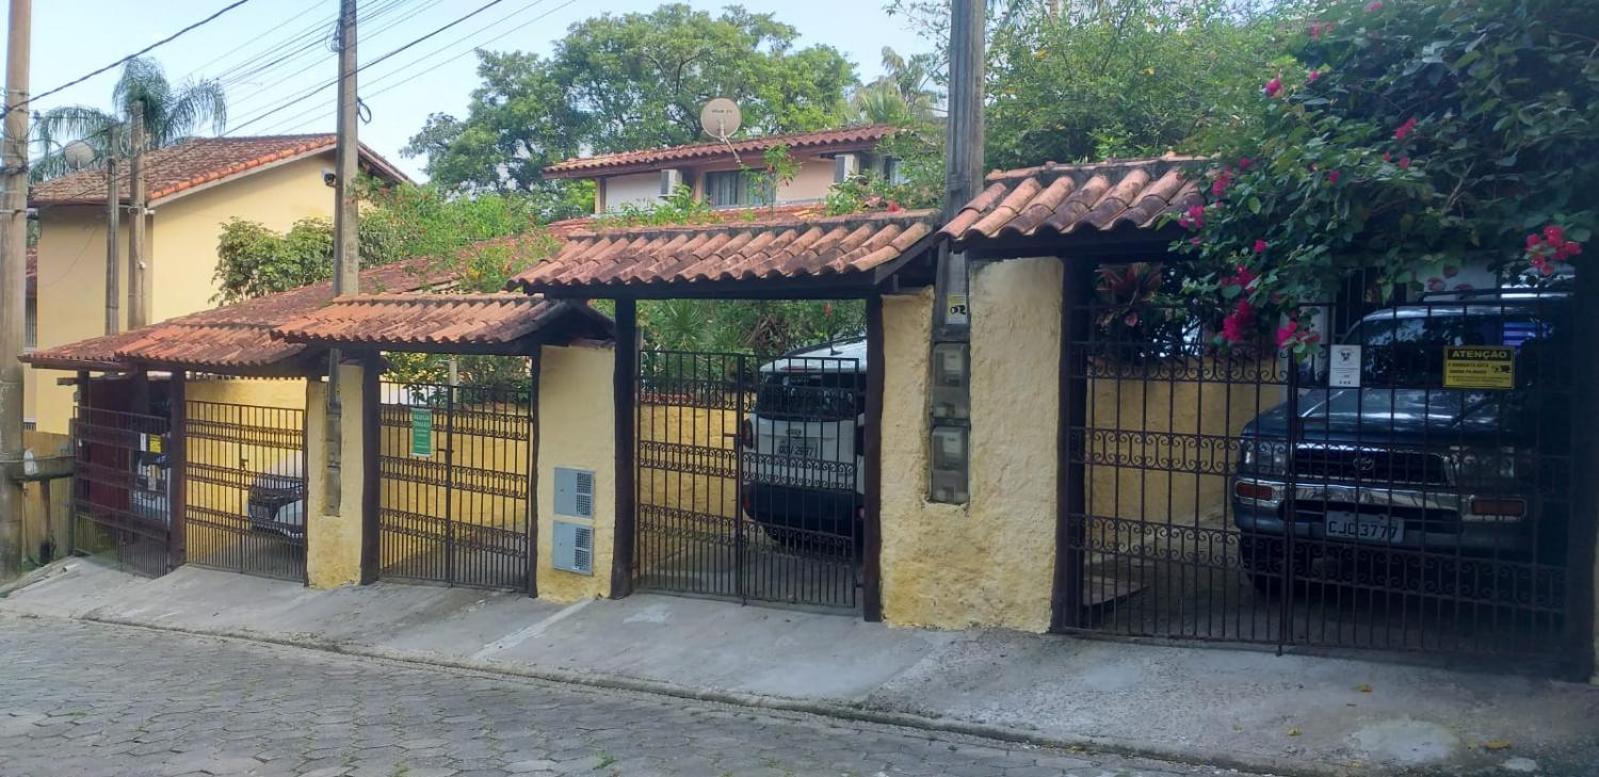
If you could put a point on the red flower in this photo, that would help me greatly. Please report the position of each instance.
(1193, 218)
(1568, 249)
(1374, 6)
(1234, 326)
(1404, 130)
(1554, 234)
(1242, 276)
(1244, 162)
(1218, 187)
(1533, 241)
(1387, 157)
(1332, 177)
(1274, 87)
(1404, 163)
(893, 206)
(1261, 246)
(1292, 332)
(1310, 78)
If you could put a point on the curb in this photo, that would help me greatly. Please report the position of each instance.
(863, 712)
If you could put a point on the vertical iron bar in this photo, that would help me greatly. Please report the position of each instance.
(624, 387)
(1290, 508)
(872, 542)
(1071, 481)
(177, 470)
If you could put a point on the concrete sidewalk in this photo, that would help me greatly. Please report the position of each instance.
(1288, 714)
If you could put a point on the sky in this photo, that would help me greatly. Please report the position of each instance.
(73, 37)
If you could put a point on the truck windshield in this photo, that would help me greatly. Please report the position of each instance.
(1408, 351)
(818, 396)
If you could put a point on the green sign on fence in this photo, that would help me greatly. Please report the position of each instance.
(421, 432)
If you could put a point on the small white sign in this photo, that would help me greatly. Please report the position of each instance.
(1345, 369)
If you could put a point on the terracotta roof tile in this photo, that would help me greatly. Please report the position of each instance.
(781, 248)
(233, 337)
(835, 140)
(1056, 200)
(176, 169)
(427, 320)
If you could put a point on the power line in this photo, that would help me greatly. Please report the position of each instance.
(147, 49)
(292, 101)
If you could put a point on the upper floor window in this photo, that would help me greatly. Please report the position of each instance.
(733, 188)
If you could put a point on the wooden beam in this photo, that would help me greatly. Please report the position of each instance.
(177, 471)
(1066, 599)
(624, 388)
(371, 470)
(872, 578)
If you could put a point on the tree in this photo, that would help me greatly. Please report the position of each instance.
(397, 223)
(638, 80)
(1399, 142)
(171, 115)
(903, 95)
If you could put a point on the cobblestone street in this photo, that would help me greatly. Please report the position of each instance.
(87, 699)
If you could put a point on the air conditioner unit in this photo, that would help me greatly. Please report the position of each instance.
(845, 167)
(670, 180)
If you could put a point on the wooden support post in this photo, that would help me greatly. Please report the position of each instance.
(1066, 600)
(624, 387)
(534, 367)
(872, 577)
(177, 471)
(371, 471)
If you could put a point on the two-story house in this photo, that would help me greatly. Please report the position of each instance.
(726, 175)
(193, 188)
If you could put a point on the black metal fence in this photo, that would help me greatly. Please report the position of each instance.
(121, 489)
(245, 478)
(1408, 487)
(748, 477)
(455, 465)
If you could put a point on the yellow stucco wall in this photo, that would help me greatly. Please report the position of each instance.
(39, 523)
(182, 245)
(990, 562)
(577, 423)
(333, 542)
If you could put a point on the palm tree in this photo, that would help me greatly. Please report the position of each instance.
(171, 115)
(902, 95)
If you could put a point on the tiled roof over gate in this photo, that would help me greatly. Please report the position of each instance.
(837, 140)
(432, 320)
(783, 249)
(1056, 200)
(232, 338)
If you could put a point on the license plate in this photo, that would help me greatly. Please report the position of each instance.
(1366, 528)
(800, 448)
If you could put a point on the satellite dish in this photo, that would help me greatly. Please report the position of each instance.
(79, 154)
(720, 118)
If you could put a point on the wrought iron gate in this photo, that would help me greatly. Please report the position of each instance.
(748, 477)
(455, 482)
(245, 476)
(1407, 488)
(121, 489)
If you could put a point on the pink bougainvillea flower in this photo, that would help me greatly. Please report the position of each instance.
(1274, 87)
(1310, 78)
(1261, 246)
(1242, 276)
(1218, 187)
(1403, 131)
(1244, 162)
(1554, 234)
(1374, 6)
(1292, 332)
(1533, 241)
(1387, 157)
(1193, 218)
(1404, 163)
(1235, 325)
(1568, 249)
(1333, 176)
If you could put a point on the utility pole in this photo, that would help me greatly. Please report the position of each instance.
(138, 313)
(113, 219)
(950, 423)
(13, 283)
(346, 250)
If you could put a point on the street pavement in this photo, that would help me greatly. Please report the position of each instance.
(79, 698)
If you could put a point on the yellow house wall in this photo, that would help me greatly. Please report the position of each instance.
(813, 181)
(333, 542)
(38, 522)
(989, 562)
(577, 423)
(71, 301)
